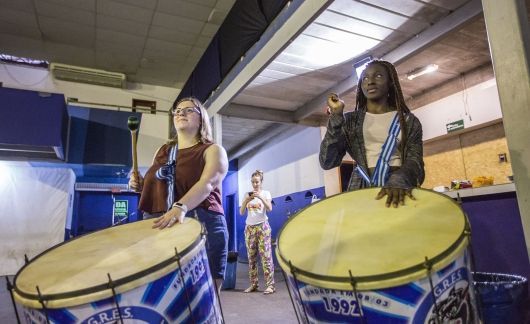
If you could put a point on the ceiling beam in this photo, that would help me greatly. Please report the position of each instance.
(262, 138)
(429, 36)
(267, 114)
(318, 103)
(290, 22)
(259, 113)
(450, 23)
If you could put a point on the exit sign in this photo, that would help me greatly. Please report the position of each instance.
(454, 126)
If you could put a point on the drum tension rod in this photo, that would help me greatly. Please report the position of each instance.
(428, 266)
(290, 295)
(111, 286)
(478, 297)
(26, 259)
(293, 272)
(10, 289)
(177, 257)
(41, 301)
(353, 283)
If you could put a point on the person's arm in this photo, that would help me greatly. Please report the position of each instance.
(136, 181)
(333, 145)
(411, 173)
(215, 169)
(243, 207)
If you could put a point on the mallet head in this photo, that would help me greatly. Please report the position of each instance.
(133, 123)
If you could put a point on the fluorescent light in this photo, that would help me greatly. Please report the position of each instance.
(360, 66)
(426, 69)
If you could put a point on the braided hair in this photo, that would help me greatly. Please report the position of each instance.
(395, 97)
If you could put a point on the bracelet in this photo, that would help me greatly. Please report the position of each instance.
(180, 206)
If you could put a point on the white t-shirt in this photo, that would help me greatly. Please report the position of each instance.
(375, 132)
(257, 213)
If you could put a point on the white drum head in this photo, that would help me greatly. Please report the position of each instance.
(77, 272)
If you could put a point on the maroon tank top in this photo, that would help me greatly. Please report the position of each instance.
(190, 164)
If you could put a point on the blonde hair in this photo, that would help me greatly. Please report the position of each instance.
(257, 173)
(205, 131)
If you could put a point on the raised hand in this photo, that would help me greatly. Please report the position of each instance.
(136, 181)
(335, 104)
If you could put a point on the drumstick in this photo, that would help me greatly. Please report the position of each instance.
(132, 124)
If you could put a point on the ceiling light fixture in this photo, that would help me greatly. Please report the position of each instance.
(421, 71)
(360, 65)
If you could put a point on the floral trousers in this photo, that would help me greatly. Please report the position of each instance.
(258, 240)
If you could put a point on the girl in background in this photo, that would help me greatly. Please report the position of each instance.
(258, 233)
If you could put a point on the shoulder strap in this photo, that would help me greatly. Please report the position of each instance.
(167, 173)
(382, 168)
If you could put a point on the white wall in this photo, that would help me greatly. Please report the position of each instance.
(154, 128)
(36, 204)
(37, 79)
(477, 105)
(290, 164)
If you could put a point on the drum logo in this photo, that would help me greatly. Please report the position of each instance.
(133, 313)
(453, 301)
(194, 269)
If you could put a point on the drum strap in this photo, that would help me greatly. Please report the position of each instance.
(167, 173)
(382, 168)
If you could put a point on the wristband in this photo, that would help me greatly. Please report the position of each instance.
(180, 206)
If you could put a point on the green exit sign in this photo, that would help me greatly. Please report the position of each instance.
(454, 126)
(121, 208)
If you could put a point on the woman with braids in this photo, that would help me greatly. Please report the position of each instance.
(258, 233)
(185, 181)
(381, 135)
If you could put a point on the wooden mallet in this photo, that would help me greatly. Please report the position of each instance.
(132, 124)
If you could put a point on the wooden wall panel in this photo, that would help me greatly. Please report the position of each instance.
(481, 150)
(443, 162)
(466, 156)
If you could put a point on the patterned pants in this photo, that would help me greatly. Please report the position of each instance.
(258, 239)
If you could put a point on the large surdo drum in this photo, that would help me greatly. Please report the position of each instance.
(124, 274)
(350, 259)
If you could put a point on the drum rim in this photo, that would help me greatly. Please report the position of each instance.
(381, 277)
(98, 288)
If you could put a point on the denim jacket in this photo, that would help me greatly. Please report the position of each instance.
(345, 134)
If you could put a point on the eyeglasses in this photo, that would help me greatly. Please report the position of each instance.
(185, 111)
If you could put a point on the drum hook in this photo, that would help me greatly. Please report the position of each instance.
(290, 296)
(428, 266)
(41, 301)
(10, 289)
(353, 283)
(111, 286)
(293, 272)
(458, 199)
(478, 297)
(177, 256)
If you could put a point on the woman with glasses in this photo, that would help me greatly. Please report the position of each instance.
(185, 180)
(258, 233)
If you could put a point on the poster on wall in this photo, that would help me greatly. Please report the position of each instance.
(121, 211)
